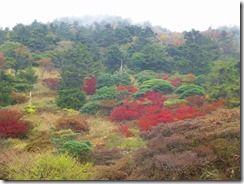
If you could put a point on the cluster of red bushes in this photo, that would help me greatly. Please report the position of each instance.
(51, 83)
(150, 110)
(11, 124)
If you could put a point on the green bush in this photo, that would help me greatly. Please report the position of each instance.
(157, 85)
(72, 98)
(5, 94)
(91, 107)
(60, 137)
(22, 87)
(77, 149)
(122, 79)
(108, 80)
(105, 80)
(184, 88)
(145, 75)
(48, 167)
(192, 92)
(105, 93)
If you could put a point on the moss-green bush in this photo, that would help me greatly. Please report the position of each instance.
(157, 85)
(91, 107)
(184, 88)
(48, 167)
(105, 93)
(145, 75)
(77, 149)
(192, 92)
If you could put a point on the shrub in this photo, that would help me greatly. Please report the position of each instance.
(72, 98)
(130, 89)
(51, 83)
(39, 141)
(146, 121)
(174, 102)
(153, 98)
(189, 78)
(76, 123)
(105, 93)
(105, 80)
(176, 82)
(192, 92)
(77, 149)
(144, 76)
(5, 92)
(11, 124)
(22, 87)
(124, 129)
(48, 167)
(157, 85)
(185, 87)
(122, 79)
(62, 136)
(132, 143)
(30, 109)
(90, 85)
(91, 107)
(186, 112)
(18, 98)
(123, 113)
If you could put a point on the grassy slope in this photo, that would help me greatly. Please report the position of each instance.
(109, 145)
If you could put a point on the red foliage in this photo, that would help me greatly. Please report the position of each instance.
(186, 113)
(51, 83)
(123, 113)
(176, 82)
(124, 129)
(90, 85)
(11, 125)
(195, 101)
(131, 89)
(153, 97)
(166, 76)
(164, 116)
(209, 107)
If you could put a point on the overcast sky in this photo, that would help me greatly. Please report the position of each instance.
(175, 15)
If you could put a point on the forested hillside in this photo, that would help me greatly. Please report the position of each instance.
(111, 100)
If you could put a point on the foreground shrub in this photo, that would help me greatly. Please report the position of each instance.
(76, 123)
(11, 124)
(77, 149)
(72, 98)
(48, 167)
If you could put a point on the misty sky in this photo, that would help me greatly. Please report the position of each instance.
(175, 15)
